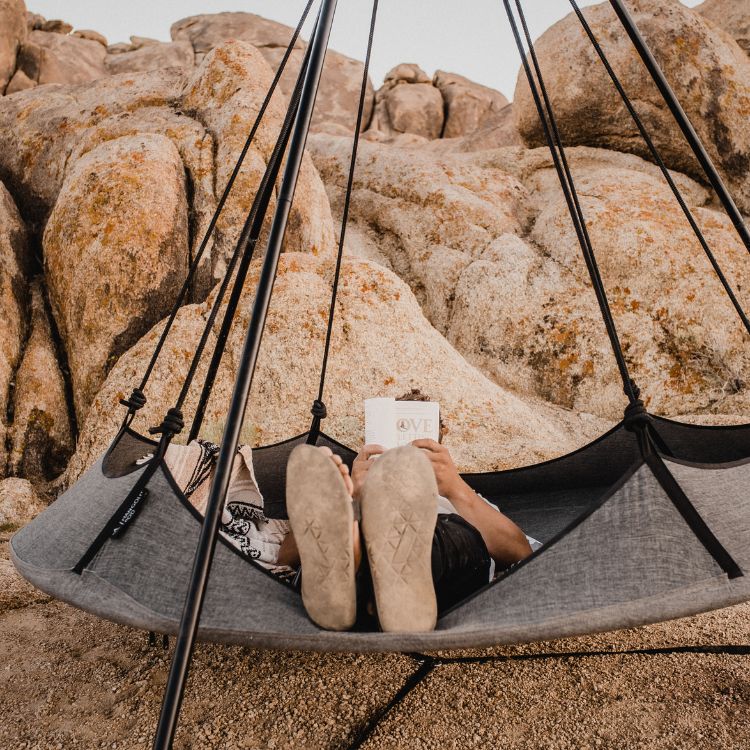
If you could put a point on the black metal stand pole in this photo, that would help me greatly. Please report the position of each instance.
(207, 542)
(682, 120)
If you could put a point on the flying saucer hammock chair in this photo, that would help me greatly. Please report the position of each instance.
(649, 522)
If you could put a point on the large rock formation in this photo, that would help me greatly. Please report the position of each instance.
(547, 338)
(12, 34)
(731, 15)
(40, 129)
(152, 57)
(486, 243)
(35, 51)
(100, 175)
(34, 158)
(13, 294)
(469, 106)
(48, 57)
(115, 252)
(342, 77)
(449, 106)
(503, 131)
(449, 112)
(424, 216)
(409, 103)
(225, 95)
(709, 72)
(462, 277)
(382, 344)
(19, 503)
(204, 32)
(42, 435)
(49, 53)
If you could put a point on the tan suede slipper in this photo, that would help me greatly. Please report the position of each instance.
(321, 516)
(399, 512)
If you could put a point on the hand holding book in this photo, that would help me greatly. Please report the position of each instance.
(392, 423)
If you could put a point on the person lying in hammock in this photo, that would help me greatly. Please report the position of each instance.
(429, 539)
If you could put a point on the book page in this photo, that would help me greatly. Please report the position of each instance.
(380, 422)
(417, 420)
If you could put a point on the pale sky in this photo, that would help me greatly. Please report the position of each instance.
(470, 37)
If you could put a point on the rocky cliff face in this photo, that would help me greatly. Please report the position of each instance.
(462, 274)
(708, 70)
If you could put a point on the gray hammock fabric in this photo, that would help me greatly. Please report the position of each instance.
(617, 552)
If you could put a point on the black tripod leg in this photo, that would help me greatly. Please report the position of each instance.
(175, 688)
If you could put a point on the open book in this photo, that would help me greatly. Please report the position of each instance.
(392, 423)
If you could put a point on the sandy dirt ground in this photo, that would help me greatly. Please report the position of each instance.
(69, 680)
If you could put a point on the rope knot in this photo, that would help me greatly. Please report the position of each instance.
(319, 410)
(136, 401)
(636, 416)
(172, 424)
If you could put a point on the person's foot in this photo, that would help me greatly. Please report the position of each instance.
(399, 512)
(319, 504)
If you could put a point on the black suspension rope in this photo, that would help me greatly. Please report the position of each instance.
(173, 423)
(557, 150)
(134, 501)
(691, 515)
(319, 410)
(730, 649)
(248, 240)
(138, 399)
(662, 166)
(636, 416)
(245, 248)
(670, 99)
(207, 540)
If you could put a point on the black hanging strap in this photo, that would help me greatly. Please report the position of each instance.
(131, 506)
(137, 399)
(637, 418)
(692, 517)
(319, 410)
(557, 150)
(171, 425)
(173, 422)
(662, 166)
(247, 241)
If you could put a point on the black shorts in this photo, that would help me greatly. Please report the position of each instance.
(460, 560)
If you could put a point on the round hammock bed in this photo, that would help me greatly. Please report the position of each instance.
(616, 550)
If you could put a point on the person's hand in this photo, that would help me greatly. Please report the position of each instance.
(362, 464)
(342, 467)
(448, 479)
